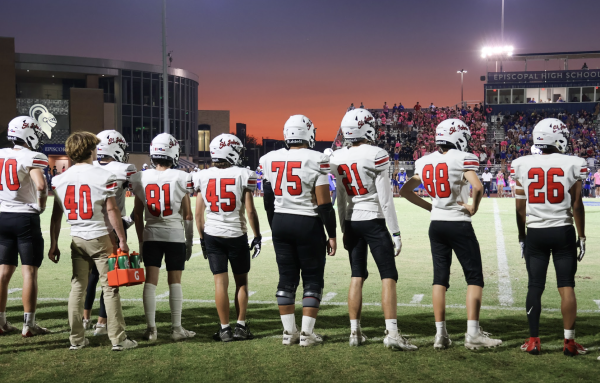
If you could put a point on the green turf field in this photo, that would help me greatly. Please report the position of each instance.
(47, 358)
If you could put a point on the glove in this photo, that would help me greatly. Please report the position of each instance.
(203, 246)
(581, 245)
(188, 250)
(256, 244)
(522, 244)
(397, 243)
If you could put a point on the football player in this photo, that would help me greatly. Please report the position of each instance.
(401, 178)
(549, 191)
(446, 175)
(365, 206)
(298, 204)
(112, 157)
(23, 193)
(226, 190)
(162, 199)
(86, 194)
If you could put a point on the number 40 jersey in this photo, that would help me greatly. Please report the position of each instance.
(546, 180)
(223, 194)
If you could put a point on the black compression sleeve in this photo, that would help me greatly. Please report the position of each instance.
(327, 215)
(269, 200)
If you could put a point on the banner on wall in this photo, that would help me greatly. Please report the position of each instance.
(543, 76)
(54, 149)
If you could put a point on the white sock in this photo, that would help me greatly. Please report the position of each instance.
(29, 319)
(2, 319)
(391, 325)
(308, 324)
(472, 327)
(289, 323)
(569, 334)
(224, 326)
(149, 298)
(242, 322)
(354, 324)
(176, 304)
(441, 328)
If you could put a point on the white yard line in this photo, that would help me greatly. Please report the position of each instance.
(417, 298)
(329, 296)
(251, 293)
(504, 287)
(10, 291)
(163, 295)
(596, 301)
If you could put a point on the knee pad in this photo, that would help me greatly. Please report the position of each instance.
(285, 298)
(312, 296)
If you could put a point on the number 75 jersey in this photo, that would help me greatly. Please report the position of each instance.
(546, 181)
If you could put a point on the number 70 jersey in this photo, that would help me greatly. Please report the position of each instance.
(546, 181)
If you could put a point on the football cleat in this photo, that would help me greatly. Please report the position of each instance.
(357, 338)
(181, 334)
(293, 338)
(223, 335)
(572, 348)
(75, 347)
(100, 329)
(29, 331)
(441, 342)
(481, 340)
(7, 328)
(125, 345)
(307, 340)
(86, 324)
(150, 334)
(532, 346)
(398, 342)
(242, 332)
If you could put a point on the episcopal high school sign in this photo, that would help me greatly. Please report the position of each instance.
(544, 76)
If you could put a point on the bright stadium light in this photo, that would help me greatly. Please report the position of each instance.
(499, 50)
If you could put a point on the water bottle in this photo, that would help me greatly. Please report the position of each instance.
(111, 262)
(123, 260)
(134, 260)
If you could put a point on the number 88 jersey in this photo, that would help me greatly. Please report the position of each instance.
(546, 181)
(223, 194)
(443, 178)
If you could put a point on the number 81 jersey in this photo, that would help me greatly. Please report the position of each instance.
(546, 181)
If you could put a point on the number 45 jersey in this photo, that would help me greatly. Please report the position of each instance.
(162, 193)
(443, 176)
(293, 175)
(546, 180)
(223, 194)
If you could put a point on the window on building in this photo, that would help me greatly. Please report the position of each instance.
(146, 92)
(505, 96)
(532, 95)
(126, 93)
(518, 96)
(137, 91)
(574, 94)
(559, 94)
(491, 96)
(587, 94)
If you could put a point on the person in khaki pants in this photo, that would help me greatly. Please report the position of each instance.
(86, 195)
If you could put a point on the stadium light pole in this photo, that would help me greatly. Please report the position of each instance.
(502, 22)
(165, 74)
(462, 73)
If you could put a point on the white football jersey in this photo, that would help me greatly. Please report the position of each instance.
(355, 170)
(546, 180)
(82, 191)
(18, 193)
(443, 177)
(293, 175)
(122, 172)
(223, 194)
(162, 193)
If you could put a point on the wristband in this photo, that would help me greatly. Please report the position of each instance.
(396, 234)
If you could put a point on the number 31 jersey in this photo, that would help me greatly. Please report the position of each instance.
(162, 193)
(223, 194)
(18, 192)
(443, 176)
(293, 175)
(546, 180)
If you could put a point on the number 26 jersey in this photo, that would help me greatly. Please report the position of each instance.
(546, 180)
(162, 193)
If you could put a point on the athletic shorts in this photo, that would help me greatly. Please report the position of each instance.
(174, 253)
(375, 235)
(222, 251)
(396, 157)
(20, 234)
(259, 186)
(561, 242)
(457, 236)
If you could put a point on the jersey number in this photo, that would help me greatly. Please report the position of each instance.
(441, 186)
(83, 207)
(213, 198)
(280, 168)
(10, 174)
(347, 181)
(555, 191)
(153, 200)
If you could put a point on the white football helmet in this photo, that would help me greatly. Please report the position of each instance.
(112, 144)
(358, 124)
(226, 147)
(551, 132)
(402, 170)
(166, 147)
(26, 129)
(299, 129)
(453, 132)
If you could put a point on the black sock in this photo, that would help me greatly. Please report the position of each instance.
(534, 309)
